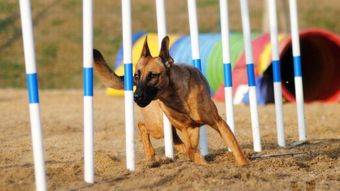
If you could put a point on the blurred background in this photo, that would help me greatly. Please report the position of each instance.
(58, 31)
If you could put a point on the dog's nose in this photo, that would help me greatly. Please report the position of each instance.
(137, 96)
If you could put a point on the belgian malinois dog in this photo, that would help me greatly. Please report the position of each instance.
(181, 92)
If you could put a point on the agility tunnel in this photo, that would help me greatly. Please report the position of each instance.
(320, 54)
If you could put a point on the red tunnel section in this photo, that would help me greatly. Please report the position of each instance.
(320, 57)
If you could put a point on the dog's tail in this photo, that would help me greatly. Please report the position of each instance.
(106, 75)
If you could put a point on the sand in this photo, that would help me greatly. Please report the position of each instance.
(314, 165)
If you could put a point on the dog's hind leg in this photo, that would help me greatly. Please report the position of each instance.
(178, 143)
(190, 139)
(145, 137)
(223, 129)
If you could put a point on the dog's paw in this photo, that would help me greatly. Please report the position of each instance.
(198, 159)
(166, 160)
(153, 164)
(181, 149)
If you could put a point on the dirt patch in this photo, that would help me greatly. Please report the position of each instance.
(314, 165)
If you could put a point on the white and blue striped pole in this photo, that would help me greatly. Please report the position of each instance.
(128, 85)
(297, 69)
(161, 28)
(197, 63)
(88, 90)
(33, 94)
(228, 80)
(274, 38)
(251, 75)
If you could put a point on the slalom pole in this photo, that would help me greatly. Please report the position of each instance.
(251, 76)
(161, 28)
(274, 38)
(128, 85)
(88, 90)
(197, 63)
(297, 70)
(33, 94)
(228, 80)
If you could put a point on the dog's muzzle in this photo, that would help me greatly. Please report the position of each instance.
(141, 100)
(143, 96)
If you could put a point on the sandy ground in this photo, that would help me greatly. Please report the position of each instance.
(314, 165)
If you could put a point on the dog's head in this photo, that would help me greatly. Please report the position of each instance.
(152, 73)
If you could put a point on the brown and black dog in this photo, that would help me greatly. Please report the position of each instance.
(181, 92)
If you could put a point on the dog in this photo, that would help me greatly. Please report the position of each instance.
(181, 92)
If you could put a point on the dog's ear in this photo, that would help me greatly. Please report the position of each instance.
(146, 50)
(164, 54)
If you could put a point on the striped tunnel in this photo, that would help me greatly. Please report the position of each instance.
(319, 57)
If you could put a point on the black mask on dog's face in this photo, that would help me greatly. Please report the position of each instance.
(146, 88)
(151, 74)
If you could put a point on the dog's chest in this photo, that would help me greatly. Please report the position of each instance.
(182, 115)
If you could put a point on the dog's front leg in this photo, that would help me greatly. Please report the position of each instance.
(178, 143)
(190, 139)
(145, 137)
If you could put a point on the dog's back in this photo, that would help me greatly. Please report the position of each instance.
(194, 73)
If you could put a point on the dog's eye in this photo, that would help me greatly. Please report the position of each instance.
(137, 75)
(153, 75)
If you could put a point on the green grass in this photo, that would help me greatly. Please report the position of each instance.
(58, 32)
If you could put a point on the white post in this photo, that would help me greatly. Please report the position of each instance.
(128, 85)
(161, 27)
(228, 82)
(197, 63)
(297, 69)
(276, 72)
(33, 94)
(88, 90)
(251, 75)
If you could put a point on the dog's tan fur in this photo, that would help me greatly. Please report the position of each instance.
(181, 92)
